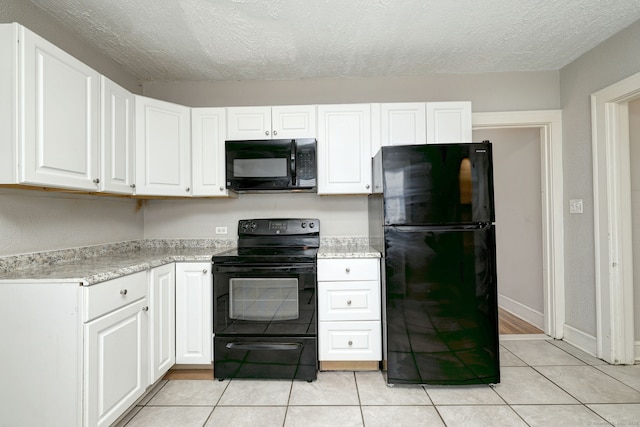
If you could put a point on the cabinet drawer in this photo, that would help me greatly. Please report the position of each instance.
(110, 295)
(355, 300)
(350, 341)
(349, 269)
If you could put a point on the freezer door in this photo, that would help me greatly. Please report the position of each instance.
(441, 322)
(437, 184)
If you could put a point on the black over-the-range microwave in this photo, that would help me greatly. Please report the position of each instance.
(271, 164)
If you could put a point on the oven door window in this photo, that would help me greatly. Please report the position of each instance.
(263, 299)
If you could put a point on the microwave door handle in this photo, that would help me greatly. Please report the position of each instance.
(293, 163)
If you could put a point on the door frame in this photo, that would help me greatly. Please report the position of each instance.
(550, 124)
(612, 220)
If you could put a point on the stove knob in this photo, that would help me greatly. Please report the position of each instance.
(244, 226)
(311, 225)
(304, 225)
(253, 226)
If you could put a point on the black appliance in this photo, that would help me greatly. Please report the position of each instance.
(271, 165)
(432, 216)
(264, 291)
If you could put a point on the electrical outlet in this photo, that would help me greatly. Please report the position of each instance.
(575, 206)
(221, 230)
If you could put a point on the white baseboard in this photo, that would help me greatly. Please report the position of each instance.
(522, 311)
(582, 340)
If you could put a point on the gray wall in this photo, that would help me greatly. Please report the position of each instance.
(610, 62)
(488, 92)
(25, 13)
(33, 221)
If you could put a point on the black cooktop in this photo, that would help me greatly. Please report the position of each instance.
(274, 240)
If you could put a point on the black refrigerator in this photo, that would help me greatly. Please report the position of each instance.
(431, 215)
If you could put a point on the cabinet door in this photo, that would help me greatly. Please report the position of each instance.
(403, 123)
(293, 121)
(115, 363)
(162, 347)
(248, 123)
(194, 313)
(116, 138)
(60, 123)
(344, 149)
(208, 129)
(9, 105)
(449, 122)
(163, 148)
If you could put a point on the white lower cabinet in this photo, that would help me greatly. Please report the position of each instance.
(115, 363)
(194, 313)
(349, 310)
(162, 345)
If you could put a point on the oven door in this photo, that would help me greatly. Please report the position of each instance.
(265, 321)
(264, 300)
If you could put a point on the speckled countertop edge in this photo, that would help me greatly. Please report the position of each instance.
(346, 247)
(95, 264)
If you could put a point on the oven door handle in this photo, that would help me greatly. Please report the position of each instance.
(263, 346)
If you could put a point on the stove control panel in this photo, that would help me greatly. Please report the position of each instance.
(278, 226)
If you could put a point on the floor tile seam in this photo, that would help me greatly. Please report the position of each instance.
(558, 385)
(554, 343)
(611, 376)
(174, 405)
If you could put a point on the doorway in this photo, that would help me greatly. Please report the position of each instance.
(613, 219)
(549, 125)
(518, 209)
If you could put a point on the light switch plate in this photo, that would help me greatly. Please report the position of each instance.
(221, 230)
(575, 206)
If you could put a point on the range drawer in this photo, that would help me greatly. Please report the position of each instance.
(348, 269)
(350, 341)
(353, 300)
(108, 296)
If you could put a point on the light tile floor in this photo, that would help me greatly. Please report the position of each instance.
(544, 383)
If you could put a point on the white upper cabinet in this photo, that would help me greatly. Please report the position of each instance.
(208, 130)
(9, 103)
(282, 122)
(60, 96)
(116, 138)
(449, 122)
(399, 124)
(344, 149)
(163, 148)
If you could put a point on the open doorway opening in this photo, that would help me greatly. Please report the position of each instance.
(519, 214)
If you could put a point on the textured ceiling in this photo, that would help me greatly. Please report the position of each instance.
(168, 40)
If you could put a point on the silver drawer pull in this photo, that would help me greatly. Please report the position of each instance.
(123, 292)
(347, 269)
(145, 308)
(350, 343)
(205, 271)
(348, 302)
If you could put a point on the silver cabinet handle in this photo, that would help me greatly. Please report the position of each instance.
(188, 189)
(205, 271)
(123, 292)
(275, 132)
(367, 186)
(266, 133)
(96, 181)
(132, 186)
(145, 308)
(350, 343)
(348, 302)
(348, 270)
(221, 188)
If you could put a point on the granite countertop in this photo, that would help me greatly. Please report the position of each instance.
(341, 247)
(95, 264)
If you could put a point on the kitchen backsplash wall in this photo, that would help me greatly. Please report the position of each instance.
(34, 221)
(198, 218)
